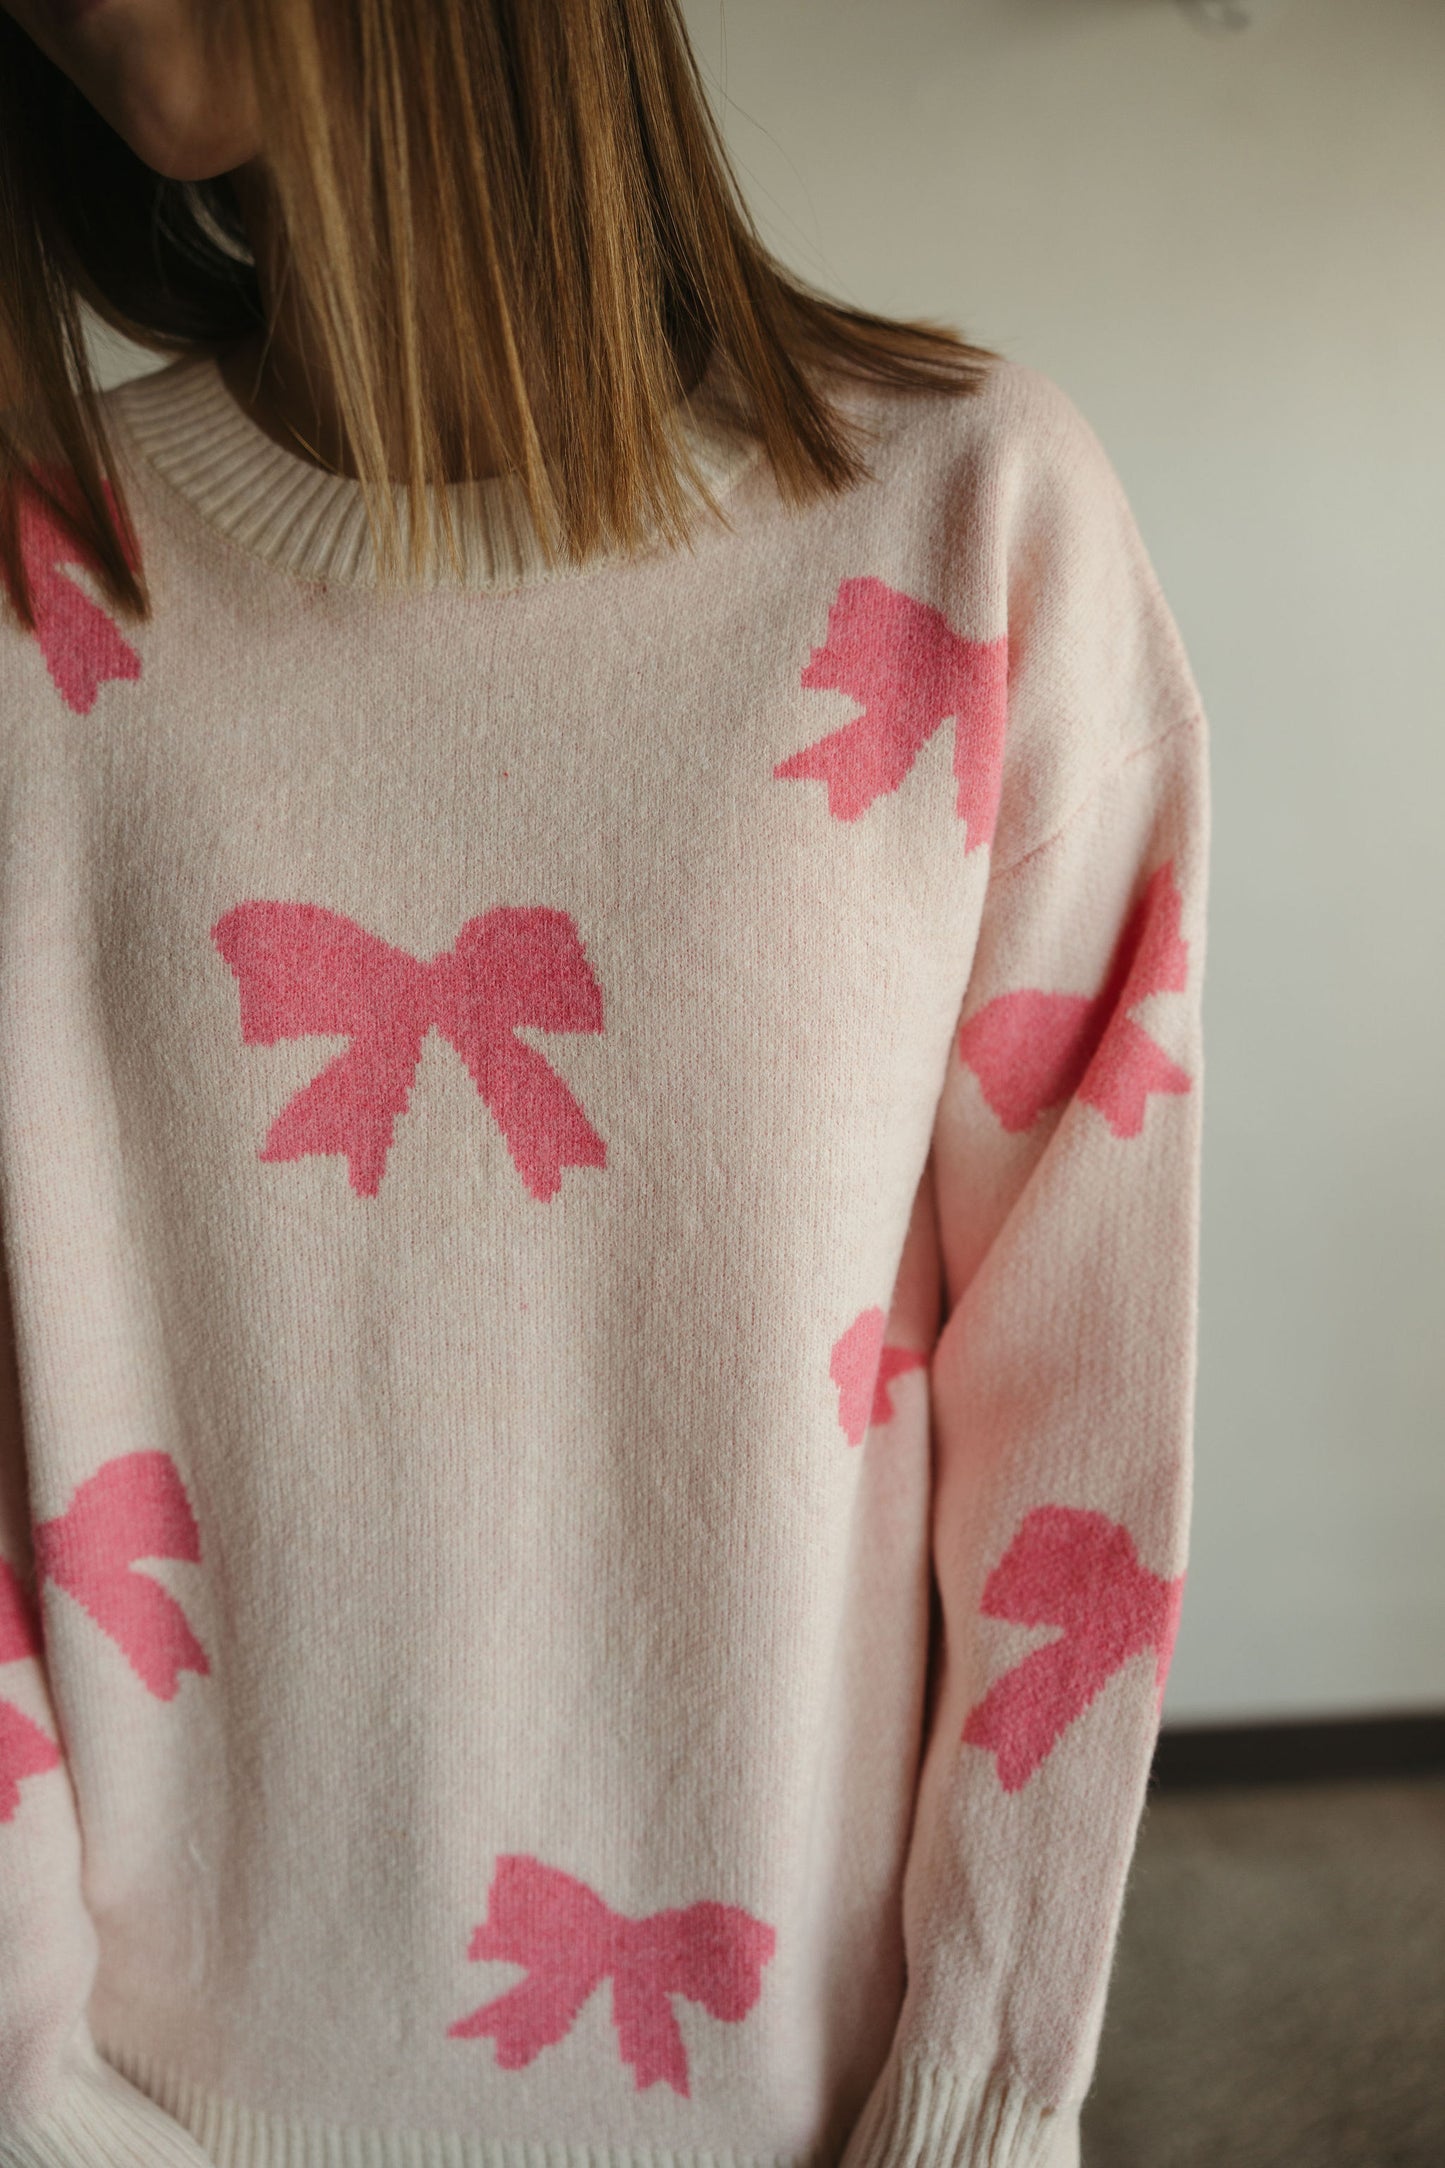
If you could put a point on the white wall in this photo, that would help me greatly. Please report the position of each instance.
(1230, 250)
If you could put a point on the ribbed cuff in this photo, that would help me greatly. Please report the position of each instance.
(922, 2115)
(97, 2120)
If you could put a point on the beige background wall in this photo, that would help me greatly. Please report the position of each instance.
(1230, 250)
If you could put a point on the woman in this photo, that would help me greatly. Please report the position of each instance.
(602, 896)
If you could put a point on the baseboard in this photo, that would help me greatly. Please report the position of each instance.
(1188, 1757)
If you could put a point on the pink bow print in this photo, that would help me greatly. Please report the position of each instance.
(569, 1941)
(133, 1507)
(1080, 1571)
(908, 669)
(79, 640)
(1030, 1050)
(862, 1368)
(304, 969)
(25, 1751)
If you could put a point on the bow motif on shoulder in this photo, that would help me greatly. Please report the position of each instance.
(570, 1941)
(908, 670)
(303, 969)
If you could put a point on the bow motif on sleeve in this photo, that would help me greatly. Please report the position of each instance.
(863, 1369)
(1030, 1049)
(133, 1507)
(25, 1750)
(303, 969)
(1079, 1571)
(908, 670)
(570, 1941)
(79, 640)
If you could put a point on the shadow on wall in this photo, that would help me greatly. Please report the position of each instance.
(1211, 18)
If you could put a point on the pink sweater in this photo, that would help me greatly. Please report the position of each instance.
(600, 1183)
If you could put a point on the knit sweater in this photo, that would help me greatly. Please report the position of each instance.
(599, 1170)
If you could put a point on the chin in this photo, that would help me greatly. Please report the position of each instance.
(198, 162)
(138, 62)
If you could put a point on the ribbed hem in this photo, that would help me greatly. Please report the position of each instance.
(98, 2120)
(183, 421)
(921, 2115)
(124, 2111)
(232, 2135)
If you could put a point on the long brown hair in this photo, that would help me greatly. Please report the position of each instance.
(590, 229)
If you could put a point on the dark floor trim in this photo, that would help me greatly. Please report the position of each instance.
(1187, 1757)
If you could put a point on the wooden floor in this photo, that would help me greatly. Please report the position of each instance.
(1278, 1999)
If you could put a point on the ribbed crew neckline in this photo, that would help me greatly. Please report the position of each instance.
(279, 507)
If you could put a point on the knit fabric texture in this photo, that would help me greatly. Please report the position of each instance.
(599, 1170)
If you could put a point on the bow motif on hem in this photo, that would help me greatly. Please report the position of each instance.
(570, 1941)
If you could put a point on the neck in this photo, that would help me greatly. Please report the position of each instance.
(278, 376)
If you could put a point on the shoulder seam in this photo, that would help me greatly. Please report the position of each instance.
(1135, 752)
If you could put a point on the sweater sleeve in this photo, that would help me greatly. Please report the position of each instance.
(61, 2104)
(1065, 1163)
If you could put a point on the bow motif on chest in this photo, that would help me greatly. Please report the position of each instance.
(79, 640)
(303, 969)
